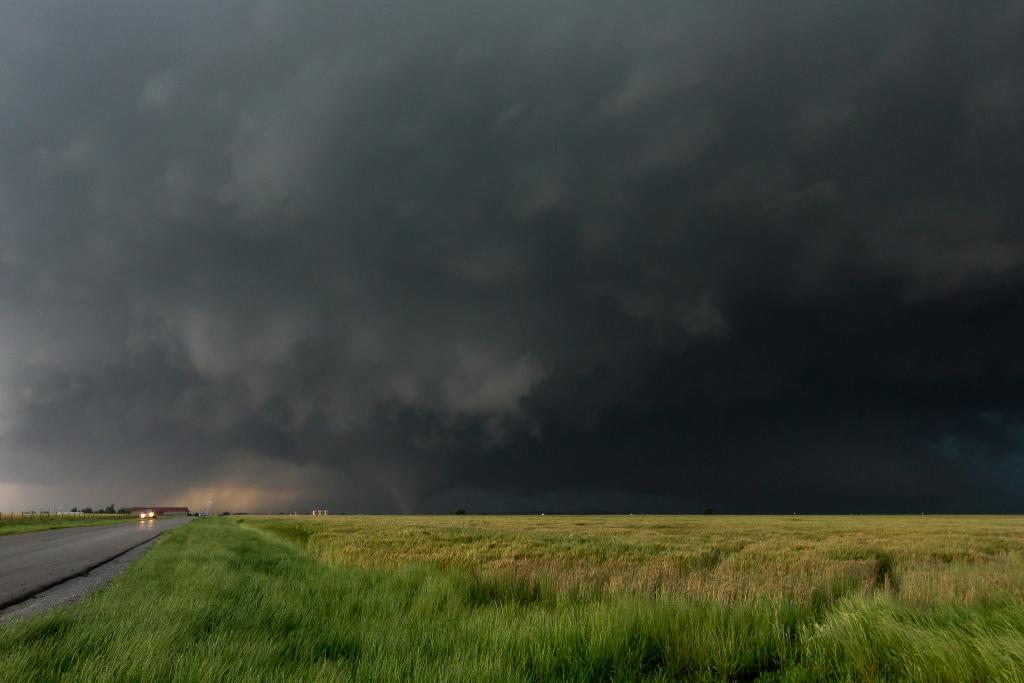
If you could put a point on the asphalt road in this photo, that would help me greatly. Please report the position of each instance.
(35, 561)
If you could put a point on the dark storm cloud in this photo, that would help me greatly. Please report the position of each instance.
(395, 256)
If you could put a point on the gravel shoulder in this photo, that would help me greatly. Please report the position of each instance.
(73, 590)
(32, 563)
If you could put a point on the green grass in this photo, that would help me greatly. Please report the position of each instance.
(21, 525)
(262, 599)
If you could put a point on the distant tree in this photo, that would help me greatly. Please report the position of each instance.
(225, 513)
(74, 509)
(460, 511)
(87, 510)
(109, 509)
(708, 511)
(123, 510)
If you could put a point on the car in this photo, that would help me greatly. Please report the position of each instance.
(148, 514)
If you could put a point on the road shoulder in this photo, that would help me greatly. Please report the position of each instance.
(76, 588)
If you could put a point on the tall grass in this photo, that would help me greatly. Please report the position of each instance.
(229, 601)
(917, 559)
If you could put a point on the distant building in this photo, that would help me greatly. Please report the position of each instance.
(160, 511)
(320, 513)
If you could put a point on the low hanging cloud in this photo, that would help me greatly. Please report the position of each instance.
(512, 256)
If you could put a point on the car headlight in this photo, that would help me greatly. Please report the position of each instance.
(152, 514)
(142, 515)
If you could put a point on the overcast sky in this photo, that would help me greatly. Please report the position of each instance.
(510, 256)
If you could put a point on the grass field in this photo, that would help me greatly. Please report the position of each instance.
(24, 524)
(552, 598)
